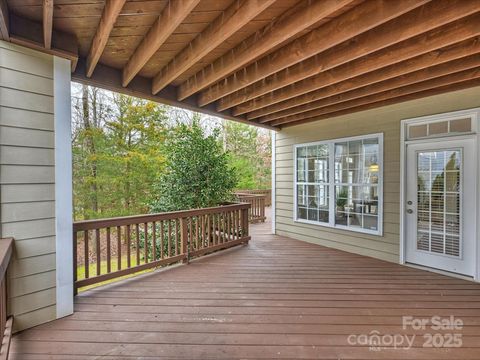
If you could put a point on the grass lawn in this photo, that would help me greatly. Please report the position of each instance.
(92, 268)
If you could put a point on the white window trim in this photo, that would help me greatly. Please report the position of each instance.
(331, 223)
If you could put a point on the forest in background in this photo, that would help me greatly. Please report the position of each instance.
(118, 150)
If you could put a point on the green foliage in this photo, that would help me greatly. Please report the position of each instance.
(247, 178)
(249, 154)
(197, 173)
(117, 154)
(131, 156)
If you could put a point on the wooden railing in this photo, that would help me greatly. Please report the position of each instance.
(257, 206)
(109, 248)
(6, 322)
(266, 192)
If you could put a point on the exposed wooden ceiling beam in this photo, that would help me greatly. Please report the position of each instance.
(400, 81)
(47, 23)
(4, 21)
(171, 17)
(29, 33)
(109, 78)
(396, 100)
(401, 91)
(363, 17)
(225, 25)
(286, 26)
(296, 105)
(109, 16)
(428, 17)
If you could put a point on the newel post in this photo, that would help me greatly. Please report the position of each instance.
(184, 239)
(245, 222)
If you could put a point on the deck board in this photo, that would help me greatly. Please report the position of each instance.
(276, 298)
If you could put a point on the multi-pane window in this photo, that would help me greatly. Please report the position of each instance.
(338, 183)
(313, 183)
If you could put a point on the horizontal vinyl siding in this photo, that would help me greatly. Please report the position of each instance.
(27, 181)
(385, 120)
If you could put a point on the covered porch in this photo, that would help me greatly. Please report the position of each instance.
(273, 298)
(356, 93)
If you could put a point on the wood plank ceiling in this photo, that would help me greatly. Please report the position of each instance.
(271, 63)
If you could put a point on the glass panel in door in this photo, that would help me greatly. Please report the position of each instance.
(438, 201)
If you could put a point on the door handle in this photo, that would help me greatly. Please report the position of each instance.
(409, 211)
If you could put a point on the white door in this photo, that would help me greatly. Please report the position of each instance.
(440, 205)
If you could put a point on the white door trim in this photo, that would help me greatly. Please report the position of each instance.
(474, 114)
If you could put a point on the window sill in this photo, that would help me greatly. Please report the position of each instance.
(340, 227)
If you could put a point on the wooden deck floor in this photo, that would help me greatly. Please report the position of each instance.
(276, 298)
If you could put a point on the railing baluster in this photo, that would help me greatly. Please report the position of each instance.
(203, 230)
(109, 254)
(239, 214)
(232, 225)
(224, 226)
(232, 216)
(229, 226)
(137, 236)
(75, 259)
(199, 232)
(214, 230)
(154, 241)
(237, 224)
(97, 250)
(208, 240)
(169, 244)
(161, 239)
(129, 253)
(177, 238)
(145, 231)
(119, 248)
(220, 229)
(86, 254)
(190, 234)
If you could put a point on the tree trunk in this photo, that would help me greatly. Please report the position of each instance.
(91, 148)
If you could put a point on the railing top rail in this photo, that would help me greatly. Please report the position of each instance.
(254, 191)
(248, 195)
(138, 219)
(6, 250)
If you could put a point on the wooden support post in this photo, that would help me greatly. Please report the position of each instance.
(4, 21)
(47, 23)
(244, 222)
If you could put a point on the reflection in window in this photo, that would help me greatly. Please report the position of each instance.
(354, 184)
